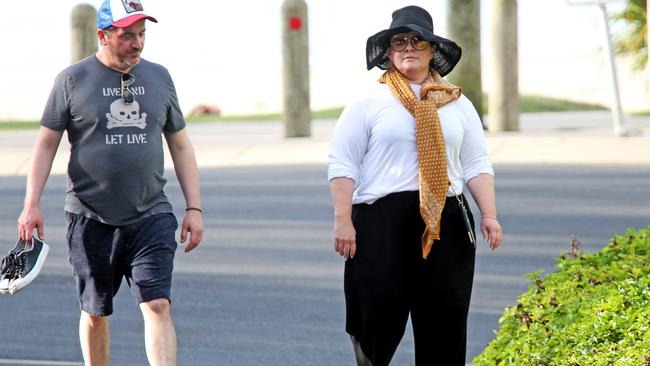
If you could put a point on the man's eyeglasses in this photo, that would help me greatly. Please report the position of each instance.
(127, 94)
(398, 44)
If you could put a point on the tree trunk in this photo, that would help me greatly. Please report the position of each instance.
(504, 94)
(84, 32)
(647, 42)
(464, 22)
(297, 112)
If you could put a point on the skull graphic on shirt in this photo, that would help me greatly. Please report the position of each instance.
(126, 115)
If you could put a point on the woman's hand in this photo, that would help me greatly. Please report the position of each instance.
(345, 238)
(491, 230)
(482, 188)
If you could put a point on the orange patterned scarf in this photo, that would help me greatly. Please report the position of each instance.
(432, 156)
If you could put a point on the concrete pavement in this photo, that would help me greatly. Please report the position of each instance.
(544, 138)
(248, 275)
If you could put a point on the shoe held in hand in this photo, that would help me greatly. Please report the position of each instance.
(21, 266)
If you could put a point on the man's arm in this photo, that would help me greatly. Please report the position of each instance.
(47, 142)
(187, 173)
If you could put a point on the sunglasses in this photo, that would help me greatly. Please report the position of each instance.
(127, 95)
(398, 44)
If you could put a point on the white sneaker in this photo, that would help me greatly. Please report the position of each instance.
(7, 269)
(23, 266)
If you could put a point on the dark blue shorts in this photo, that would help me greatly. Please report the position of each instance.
(101, 255)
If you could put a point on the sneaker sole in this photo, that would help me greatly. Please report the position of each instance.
(4, 287)
(5, 283)
(15, 287)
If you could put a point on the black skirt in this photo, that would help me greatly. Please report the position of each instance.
(388, 279)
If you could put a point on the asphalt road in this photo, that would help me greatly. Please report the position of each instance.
(265, 287)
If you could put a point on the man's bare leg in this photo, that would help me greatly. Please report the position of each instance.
(159, 332)
(94, 336)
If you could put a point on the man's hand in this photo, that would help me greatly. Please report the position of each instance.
(30, 219)
(192, 224)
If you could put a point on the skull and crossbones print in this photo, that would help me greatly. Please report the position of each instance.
(126, 115)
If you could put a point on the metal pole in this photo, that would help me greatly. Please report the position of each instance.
(84, 32)
(295, 47)
(617, 114)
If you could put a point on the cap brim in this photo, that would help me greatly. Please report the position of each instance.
(128, 21)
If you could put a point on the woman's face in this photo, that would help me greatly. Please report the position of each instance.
(410, 54)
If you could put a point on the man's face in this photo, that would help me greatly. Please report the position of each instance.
(125, 44)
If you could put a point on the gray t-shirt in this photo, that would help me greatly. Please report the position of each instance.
(115, 172)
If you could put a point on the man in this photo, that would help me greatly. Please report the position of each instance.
(115, 107)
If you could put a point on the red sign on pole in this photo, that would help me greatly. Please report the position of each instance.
(295, 23)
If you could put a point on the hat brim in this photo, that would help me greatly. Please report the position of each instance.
(128, 21)
(447, 53)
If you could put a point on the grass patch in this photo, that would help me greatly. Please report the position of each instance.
(19, 125)
(527, 104)
(322, 114)
(532, 103)
(237, 118)
(327, 113)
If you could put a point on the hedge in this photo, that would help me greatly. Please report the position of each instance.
(595, 310)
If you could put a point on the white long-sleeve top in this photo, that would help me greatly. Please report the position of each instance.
(374, 145)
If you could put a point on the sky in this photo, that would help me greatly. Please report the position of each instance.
(228, 53)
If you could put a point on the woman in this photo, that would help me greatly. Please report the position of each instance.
(399, 160)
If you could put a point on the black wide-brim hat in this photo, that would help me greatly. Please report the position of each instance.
(412, 19)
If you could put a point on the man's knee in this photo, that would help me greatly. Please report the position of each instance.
(94, 320)
(160, 307)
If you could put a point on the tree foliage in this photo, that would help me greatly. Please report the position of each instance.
(632, 40)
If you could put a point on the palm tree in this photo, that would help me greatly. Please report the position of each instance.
(632, 39)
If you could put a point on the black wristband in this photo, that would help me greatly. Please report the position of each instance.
(194, 208)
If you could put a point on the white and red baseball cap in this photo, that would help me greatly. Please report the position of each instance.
(121, 13)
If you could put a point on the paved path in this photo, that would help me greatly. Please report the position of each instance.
(257, 288)
(553, 138)
(265, 287)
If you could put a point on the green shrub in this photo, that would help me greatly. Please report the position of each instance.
(595, 310)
